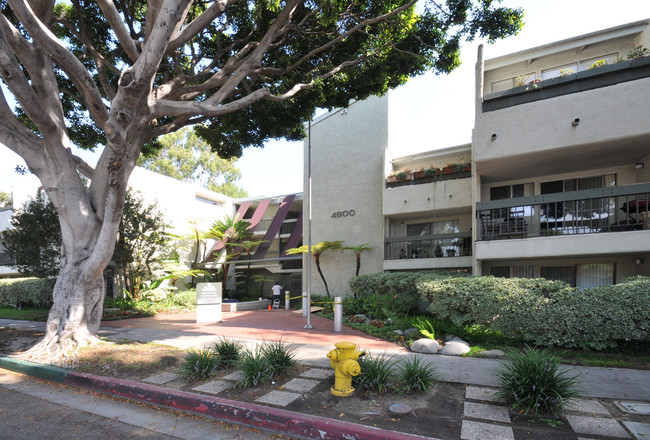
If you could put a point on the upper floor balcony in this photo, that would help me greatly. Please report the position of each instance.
(450, 191)
(565, 217)
(428, 251)
(585, 120)
(287, 227)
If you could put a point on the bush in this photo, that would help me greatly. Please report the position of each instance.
(544, 312)
(415, 376)
(33, 292)
(384, 295)
(255, 367)
(199, 364)
(279, 355)
(531, 382)
(229, 351)
(375, 373)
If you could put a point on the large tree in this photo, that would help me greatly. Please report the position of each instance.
(121, 73)
(185, 156)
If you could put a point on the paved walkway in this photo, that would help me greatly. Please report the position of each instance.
(312, 345)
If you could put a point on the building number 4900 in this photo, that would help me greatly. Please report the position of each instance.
(348, 213)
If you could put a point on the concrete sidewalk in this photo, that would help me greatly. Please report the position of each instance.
(311, 347)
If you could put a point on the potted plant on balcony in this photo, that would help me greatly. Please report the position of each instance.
(398, 176)
(430, 172)
(418, 174)
(457, 168)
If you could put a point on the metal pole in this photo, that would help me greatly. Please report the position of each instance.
(309, 326)
(286, 300)
(304, 304)
(338, 314)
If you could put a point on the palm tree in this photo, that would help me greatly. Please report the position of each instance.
(247, 246)
(230, 233)
(357, 250)
(316, 251)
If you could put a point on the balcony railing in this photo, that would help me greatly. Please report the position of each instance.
(621, 208)
(287, 227)
(428, 246)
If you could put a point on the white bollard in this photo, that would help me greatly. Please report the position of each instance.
(286, 300)
(338, 314)
(304, 304)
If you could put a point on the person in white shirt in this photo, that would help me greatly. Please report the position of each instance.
(277, 290)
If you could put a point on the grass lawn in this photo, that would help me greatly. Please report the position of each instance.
(26, 314)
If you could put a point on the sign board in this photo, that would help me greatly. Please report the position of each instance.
(208, 293)
(208, 302)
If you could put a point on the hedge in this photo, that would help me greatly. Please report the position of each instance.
(386, 294)
(544, 312)
(33, 292)
(539, 311)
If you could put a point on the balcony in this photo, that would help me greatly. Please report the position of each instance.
(593, 211)
(603, 76)
(428, 246)
(287, 226)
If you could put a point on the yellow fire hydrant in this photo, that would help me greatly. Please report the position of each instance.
(343, 360)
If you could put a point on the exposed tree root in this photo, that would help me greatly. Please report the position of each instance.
(60, 350)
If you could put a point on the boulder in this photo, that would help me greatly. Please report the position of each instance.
(410, 331)
(425, 345)
(454, 348)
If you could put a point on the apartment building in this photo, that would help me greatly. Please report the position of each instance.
(560, 148)
(277, 225)
(555, 183)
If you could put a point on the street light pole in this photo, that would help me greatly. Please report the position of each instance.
(309, 326)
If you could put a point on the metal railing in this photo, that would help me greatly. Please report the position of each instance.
(287, 226)
(428, 246)
(616, 209)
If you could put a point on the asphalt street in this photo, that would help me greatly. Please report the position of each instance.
(34, 409)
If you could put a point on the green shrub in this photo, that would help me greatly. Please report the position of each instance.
(425, 326)
(376, 374)
(415, 376)
(255, 367)
(531, 381)
(279, 355)
(384, 295)
(199, 364)
(543, 312)
(33, 292)
(228, 350)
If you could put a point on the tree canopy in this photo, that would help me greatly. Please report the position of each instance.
(118, 74)
(184, 156)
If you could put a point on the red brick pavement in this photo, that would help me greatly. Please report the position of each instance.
(262, 325)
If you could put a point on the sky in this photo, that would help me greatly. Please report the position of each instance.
(429, 112)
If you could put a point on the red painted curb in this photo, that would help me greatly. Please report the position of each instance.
(249, 414)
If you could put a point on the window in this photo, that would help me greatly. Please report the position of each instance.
(519, 271)
(509, 83)
(433, 228)
(582, 209)
(208, 201)
(579, 66)
(582, 276)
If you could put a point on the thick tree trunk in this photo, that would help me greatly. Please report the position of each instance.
(74, 318)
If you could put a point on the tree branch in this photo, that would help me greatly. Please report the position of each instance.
(122, 33)
(64, 58)
(198, 24)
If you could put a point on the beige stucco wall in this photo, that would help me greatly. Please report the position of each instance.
(544, 125)
(438, 196)
(347, 168)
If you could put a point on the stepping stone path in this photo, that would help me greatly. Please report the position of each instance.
(486, 418)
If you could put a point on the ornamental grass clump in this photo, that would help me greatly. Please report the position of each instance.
(279, 355)
(199, 364)
(376, 374)
(532, 382)
(228, 350)
(415, 376)
(255, 367)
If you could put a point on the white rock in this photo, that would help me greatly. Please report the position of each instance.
(410, 331)
(425, 345)
(454, 348)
